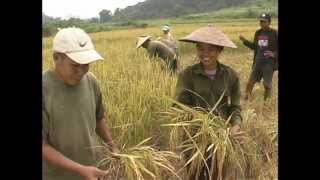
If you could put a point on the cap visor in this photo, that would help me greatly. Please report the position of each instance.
(85, 57)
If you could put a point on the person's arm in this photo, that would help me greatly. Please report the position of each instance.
(184, 87)
(56, 158)
(248, 43)
(104, 132)
(171, 38)
(52, 156)
(235, 107)
(235, 110)
(274, 53)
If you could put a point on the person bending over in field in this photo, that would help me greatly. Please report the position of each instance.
(265, 61)
(72, 111)
(172, 45)
(202, 84)
(159, 49)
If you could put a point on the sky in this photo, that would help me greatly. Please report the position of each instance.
(82, 8)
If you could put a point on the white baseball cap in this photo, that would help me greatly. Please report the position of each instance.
(165, 28)
(76, 44)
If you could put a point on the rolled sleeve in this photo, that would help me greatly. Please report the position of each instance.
(100, 108)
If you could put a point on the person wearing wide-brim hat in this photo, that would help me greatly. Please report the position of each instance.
(156, 48)
(203, 84)
(265, 60)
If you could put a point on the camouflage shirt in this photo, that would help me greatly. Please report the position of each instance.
(195, 88)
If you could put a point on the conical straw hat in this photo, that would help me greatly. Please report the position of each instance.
(209, 35)
(141, 40)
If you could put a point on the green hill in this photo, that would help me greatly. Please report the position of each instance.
(250, 9)
(151, 9)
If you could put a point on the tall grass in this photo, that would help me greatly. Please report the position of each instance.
(135, 89)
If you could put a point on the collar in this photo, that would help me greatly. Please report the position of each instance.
(198, 69)
(266, 30)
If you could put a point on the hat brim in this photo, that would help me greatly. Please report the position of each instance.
(85, 57)
(196, 41)
(209, 35)
(142, 40)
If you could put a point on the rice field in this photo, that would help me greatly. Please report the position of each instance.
(137, 91)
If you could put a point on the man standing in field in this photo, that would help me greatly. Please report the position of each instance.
(72, 110)
(157, 48)
(168, 39)
(265, 62)
(166, 33)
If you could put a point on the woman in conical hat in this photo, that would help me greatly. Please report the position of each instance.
(203, 84)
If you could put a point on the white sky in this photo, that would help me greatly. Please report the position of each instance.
(82, 8)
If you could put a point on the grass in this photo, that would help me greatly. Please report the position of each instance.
(135, 90)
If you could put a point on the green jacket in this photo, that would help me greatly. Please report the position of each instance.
(193, 82)
(272, 46)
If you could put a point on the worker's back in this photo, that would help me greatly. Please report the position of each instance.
(160, 49)
(170, 44)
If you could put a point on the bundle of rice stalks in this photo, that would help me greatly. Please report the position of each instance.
(138, 163)
(207, 143)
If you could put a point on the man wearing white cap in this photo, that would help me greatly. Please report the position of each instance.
(72, 110)
(166, 33)
(159, 49)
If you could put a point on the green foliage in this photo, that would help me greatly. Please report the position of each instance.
(134, 24)
(142, 14)
(135, 90)
(105, 15)
(51, 28)
(151, 9)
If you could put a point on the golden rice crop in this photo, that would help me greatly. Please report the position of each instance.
(139, 162)
(136, 89)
